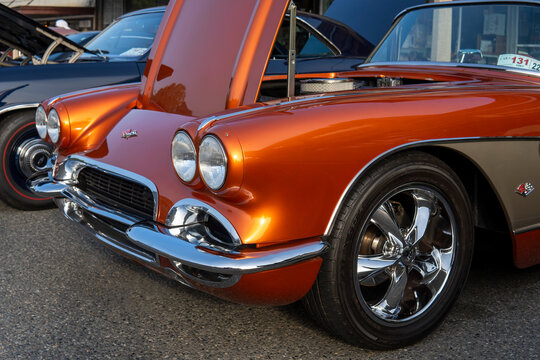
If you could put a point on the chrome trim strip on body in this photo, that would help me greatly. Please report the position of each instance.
(524, 230)
(18, 107)
(211, 119)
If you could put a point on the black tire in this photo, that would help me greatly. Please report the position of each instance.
(16, 130)
(361, 293)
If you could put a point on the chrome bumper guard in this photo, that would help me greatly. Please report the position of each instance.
(186, 247)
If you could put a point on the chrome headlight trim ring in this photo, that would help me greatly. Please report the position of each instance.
(53, 126)
(184, 156)
(41, 122)
(212, 162)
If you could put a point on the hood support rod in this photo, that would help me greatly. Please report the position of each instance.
(291, 61)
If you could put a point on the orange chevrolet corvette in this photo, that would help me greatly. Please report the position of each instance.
(357, 192)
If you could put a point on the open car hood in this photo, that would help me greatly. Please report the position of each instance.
(211, 55)
(28, 36)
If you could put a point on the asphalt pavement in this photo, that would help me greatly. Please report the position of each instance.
(65, 296)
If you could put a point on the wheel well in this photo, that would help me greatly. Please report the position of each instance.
(487, 209)
(10, 113)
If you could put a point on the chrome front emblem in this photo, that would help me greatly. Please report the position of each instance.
(129, 133)
(525, 189)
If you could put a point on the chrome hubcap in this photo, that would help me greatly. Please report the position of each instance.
(405, 254)
(33, 156)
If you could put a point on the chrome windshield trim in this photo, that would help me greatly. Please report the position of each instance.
(344, 194)
(83, 161)
(18, 107)
(455, 3)
(449, 64)
(319, 35)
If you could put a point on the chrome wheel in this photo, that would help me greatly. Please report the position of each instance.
(400, 251)
(23, 154)
(406, 253)
(33, 156)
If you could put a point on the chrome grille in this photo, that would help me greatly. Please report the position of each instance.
(116, 191)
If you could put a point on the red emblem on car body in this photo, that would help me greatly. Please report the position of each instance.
(129, 133)
(524, 189)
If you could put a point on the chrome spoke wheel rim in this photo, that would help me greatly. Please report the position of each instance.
(405, 253)
(32, 156)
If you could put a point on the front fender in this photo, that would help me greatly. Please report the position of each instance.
(86, 116)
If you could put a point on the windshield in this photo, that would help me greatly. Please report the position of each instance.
(131, 36)
(502, 35)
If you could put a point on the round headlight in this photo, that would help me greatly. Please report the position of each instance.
(212, 162)
(184, 156)
(53, 126)
(41, 122)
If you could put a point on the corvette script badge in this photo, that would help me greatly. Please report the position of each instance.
(129, 133)
(525, 189)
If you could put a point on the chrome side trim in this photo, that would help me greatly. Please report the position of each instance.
(18, 107)
(376, 159)
(160, 241)
(211, 119)
(206, 122)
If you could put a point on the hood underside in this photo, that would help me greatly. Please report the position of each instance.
(221, 66)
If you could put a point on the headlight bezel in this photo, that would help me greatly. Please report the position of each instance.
(54, 134)
(41, 122)
(213, 184)
(185, 135)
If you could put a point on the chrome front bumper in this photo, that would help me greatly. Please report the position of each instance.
(185, 247)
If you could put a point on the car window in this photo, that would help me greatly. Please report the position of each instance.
(372, 28)
(502, 35)
(307, 44)
(131, 36)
